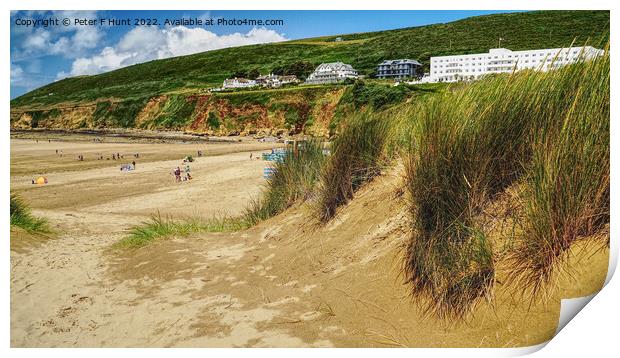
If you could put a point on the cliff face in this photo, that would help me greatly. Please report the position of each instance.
(304, 110)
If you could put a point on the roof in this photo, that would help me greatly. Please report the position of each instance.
(242, 80)
(334, 66)
(400, 61)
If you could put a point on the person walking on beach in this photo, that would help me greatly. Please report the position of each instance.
(177, 174)
(133, 162)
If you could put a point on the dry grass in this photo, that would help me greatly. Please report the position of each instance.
(293, 180)
(357, 157)
(567, 192)
(470, 144)
(22, 217)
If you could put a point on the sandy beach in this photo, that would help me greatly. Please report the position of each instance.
(282, 283)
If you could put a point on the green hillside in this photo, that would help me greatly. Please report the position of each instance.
(540, 29)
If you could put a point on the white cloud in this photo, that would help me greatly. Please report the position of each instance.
(86, 38)
(37, 41)
(17, 74)
(62, 75)
(28, 77)
(149, 43)
(109, 59)
(67, 41)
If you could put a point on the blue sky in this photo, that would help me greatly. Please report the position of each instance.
(40, 55)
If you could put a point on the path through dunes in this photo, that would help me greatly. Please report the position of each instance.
(92, 203)
(285, 282)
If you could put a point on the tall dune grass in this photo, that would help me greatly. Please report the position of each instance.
(293, 180)
(22, 217)
(468, 146)
(567, 193)
(357, 156)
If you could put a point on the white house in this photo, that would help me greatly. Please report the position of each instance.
(272, 80)
(502, 60)
(239, 83)
(331, 73)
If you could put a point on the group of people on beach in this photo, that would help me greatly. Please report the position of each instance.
(178, 177)
(115, 156)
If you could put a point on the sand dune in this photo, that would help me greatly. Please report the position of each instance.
(286, 282)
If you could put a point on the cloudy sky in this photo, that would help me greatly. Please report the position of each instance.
(40, 55)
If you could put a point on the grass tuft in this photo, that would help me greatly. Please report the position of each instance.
(358, 154)
(22, 217)
(158, 227)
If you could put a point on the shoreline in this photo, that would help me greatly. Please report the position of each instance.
(128, 134)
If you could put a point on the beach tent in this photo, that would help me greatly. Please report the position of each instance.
(127, 167)
(268, 172)
(41, 180)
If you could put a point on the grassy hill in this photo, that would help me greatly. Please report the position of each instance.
(539, 29)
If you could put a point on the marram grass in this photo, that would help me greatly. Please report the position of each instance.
(566, 196)
(22, 217)
(293, 180)
(357, 156)
(160, 227)
(468, 145)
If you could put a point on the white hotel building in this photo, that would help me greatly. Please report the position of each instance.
(502, 60)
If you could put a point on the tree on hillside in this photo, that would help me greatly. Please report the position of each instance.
(301, 69)
(253, 74)
(239, 74)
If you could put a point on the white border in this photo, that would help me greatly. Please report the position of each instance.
(592, 333)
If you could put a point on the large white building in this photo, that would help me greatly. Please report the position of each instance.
(502, 60)
(331, 73)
